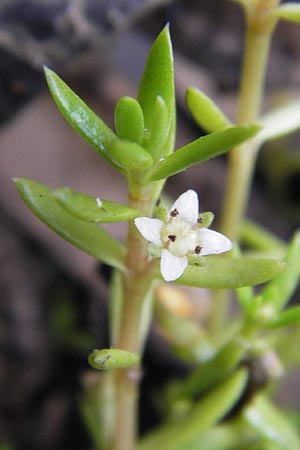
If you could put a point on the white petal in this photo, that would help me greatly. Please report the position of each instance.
(149, 229)
(172, 266)
(213, 242)
(187, 206)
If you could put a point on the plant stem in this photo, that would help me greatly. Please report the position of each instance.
(136, 285)
(242, 158)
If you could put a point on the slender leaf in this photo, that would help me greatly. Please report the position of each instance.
(129, 119)
(287, 318)
(269, 423)
(205, 112)
(130, 156)
(288, 11)
(205, 413)
(158, 80)
(160, 126)
(113, 358)
(202, 149)
(88, 237)
(279, 122)
(230, 273)
(79, 115)
(86, 207)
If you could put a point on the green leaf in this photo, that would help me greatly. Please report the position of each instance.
(202, 149)
(129, 120)
(287, 318)
(279, 122)
(269, 423)
(88, 237)
(160, 128)
(213, 372)
(206, 412)
(288, 11)
(230, 273)
(86, 207)
(286, 283)
(258, 237)
(130, 156)
(158, 80)
(79, 115)
(205, 112)
(113, 358)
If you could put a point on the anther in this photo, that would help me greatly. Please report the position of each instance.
(200, 220)
(172, 237)
(198, 249)
(174, 213)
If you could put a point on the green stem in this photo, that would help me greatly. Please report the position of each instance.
(136, 285)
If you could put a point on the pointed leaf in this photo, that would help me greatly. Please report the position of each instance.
(79, 115)
(129, 119)
(160, 126)
(86, 207)
(287, 318)
(280, 121)
(205, 112)
(202, 149)
(158, 80)
(229, 273)
(88, 237)
(207, 412)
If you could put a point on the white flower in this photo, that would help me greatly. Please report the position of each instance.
(181, 236)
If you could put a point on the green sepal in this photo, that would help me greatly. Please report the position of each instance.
(288, 11)
(206, 219)
(205, 112)
(285, 284)
(79, 115)
(88, 237)
(270, 424)
(162, 212)
(203, 416)
(158, 80)
(86, 207)
(221, 272)
(129, 120)
(130, 156)
(113, 358)
(287, 318)
(202, 149)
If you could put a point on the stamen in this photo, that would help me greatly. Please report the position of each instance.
(198, 249)
(174, 213)
(172, 237)
(200, 220)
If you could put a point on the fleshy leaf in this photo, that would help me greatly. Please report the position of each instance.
(206, 412)
(160, 126)
(280, 121)
(269, 423)
(88, 237)
(202, 149)
(205, 112)
(286, 283)
(86, 207)
(113, 358)
(287, 318)
(288, 11)
(229, 273)
(79, 115)
(129, 119)
(130, 156)
(158, 80)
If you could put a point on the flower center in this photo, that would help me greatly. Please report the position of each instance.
(180, 237)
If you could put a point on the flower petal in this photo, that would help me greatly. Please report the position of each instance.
(171, 266)
(149, 229)
(213, 242)
(187, 206)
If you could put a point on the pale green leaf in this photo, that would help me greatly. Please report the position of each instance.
(202, 149)
(205, 112)
(113, 358)
(287, 318)
(86, 207)
(129, 120)
(79, 115)
(288, 11)
(129, 156)
(88, 237)
(279, 122)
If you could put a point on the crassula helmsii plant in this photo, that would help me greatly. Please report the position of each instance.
(223, 403)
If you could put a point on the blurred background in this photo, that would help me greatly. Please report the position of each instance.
(53, 297)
